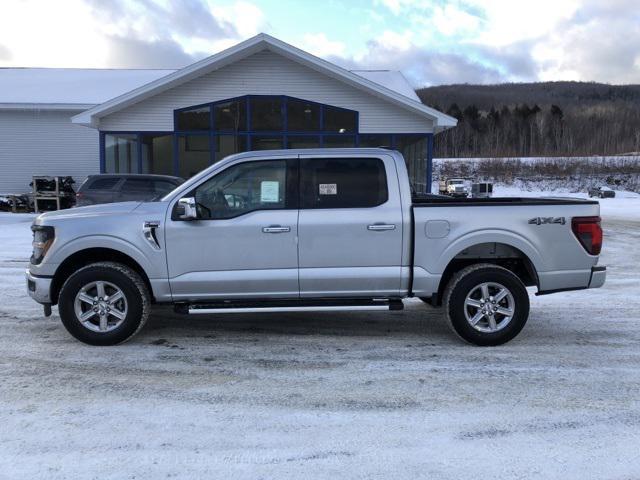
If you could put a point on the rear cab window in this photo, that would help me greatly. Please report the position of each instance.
(342, 183)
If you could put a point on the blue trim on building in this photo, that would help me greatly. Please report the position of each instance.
(429, 178)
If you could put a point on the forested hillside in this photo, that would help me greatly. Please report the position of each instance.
(537, 119)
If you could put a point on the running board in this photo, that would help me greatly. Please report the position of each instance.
(289, 306)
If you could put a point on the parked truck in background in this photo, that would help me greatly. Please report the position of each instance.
(454, 187)
(311, 230)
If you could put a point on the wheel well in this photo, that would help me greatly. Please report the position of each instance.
(88, 256)
(500, 254)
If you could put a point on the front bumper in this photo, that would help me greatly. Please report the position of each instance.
(39, 288)
(598, 276)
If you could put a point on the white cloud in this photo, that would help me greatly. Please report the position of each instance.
(247, 18)
(318, 44)
(450, 20)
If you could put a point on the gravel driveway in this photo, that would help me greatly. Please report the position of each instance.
(349, 395)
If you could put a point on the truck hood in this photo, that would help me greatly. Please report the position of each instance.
(89, 211)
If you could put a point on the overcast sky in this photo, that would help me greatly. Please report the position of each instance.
(431, 42)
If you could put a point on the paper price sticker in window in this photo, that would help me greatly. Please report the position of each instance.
(269, 192)
(328, 189)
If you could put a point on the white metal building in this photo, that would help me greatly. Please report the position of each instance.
(259, 94)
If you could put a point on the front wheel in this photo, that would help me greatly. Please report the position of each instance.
(104, 303)
(486, 304)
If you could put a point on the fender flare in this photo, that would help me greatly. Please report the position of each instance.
(492, 236)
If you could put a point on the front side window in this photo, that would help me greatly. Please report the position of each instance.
(343, 182)
(243, 188)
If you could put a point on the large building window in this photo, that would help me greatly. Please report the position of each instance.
(194, 119)
(266, 114)
(338, 120)
(157, 153)
(230, 115)
(225, 145)
(375, 141)
(302, 116)
(414, 150)
(194, 154)
(121, 153)
(303, 141)
(207, 133)
(339, 141)
(266, 142)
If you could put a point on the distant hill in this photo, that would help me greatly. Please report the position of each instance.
(537, 119)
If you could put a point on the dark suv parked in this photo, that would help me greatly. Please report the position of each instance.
(108, 188)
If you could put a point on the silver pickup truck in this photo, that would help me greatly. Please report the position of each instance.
(311, 230)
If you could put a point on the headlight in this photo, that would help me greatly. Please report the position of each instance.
(42, 239)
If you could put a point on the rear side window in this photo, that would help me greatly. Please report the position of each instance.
(138, 185)
(343, 183)
(103, 183)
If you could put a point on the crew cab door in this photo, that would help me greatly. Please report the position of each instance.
(350, 227)
(244, 242)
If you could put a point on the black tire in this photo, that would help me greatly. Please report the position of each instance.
(132, 287)
(471, 278)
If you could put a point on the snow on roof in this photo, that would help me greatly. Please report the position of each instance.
(75, 86)
(70, 86)
(393, 80)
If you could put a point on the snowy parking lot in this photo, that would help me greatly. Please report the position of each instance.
(328, 395)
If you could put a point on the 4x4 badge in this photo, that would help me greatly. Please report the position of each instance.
(547, 220)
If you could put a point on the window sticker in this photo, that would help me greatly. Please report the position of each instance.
(328, 189)
(269, 192)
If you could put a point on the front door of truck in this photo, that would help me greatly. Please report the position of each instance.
(244, 243)
(350, 227)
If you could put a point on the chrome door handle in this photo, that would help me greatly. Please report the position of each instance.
(378, 227)
(276, 229)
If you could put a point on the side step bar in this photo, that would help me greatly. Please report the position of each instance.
(290, 306)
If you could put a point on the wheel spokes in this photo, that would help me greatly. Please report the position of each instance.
(86, 298)
(472, 302)
(101, 291)
(115, 297)
(87, 315)
(508, 312)
(476, 318)
(117, 313)
(501, 294)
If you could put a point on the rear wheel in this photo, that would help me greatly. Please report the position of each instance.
(104, 303)
(486, 304)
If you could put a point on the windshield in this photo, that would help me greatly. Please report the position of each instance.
(456, 182)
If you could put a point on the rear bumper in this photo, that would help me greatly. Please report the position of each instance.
(596, 280)
(39, 288)
(598, 276)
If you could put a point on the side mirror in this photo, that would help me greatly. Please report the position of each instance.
(186, 209)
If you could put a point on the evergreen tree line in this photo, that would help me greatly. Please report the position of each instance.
(531, 130)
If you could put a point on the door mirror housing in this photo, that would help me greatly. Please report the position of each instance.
(186, 209)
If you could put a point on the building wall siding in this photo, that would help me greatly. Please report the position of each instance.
(266, 73)
(40, 142)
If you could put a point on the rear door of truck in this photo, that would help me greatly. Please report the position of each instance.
(350, 227)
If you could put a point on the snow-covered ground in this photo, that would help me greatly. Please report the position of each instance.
(350, 395)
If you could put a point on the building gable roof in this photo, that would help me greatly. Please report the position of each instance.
(70, 88)
(247, 48)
